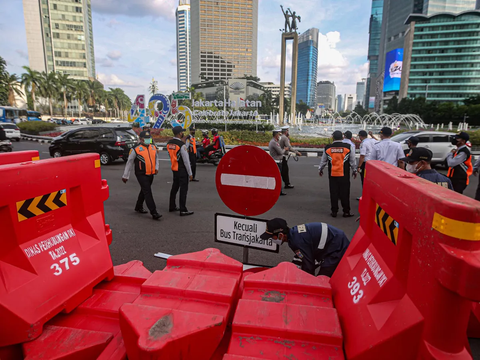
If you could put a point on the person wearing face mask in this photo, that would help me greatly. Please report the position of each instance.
(144, 159)
(310, 242)
(412, 144)
(418, 162)
(459, 162)
(182, 172)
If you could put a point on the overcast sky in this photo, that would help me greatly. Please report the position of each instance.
(135, 41)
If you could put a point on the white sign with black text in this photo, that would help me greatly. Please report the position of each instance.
(241, 231)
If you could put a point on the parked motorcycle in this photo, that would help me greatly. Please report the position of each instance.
(6, 146)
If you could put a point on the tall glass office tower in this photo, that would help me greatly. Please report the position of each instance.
(224, 39)
(60, 37)
(183, 45)
(373, 45)
(307, 67)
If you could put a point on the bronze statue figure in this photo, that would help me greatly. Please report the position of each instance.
(290, 25)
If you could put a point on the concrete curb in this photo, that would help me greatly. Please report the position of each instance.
(40, 139)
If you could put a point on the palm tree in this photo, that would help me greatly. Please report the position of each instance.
(153, 88)
(94, 88)
(81, 93)
(120, 99)
(12, 85)
(48, 87)
(31, 79)
(65, 85)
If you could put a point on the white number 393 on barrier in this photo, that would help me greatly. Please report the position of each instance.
(355, 291)
(74, 260)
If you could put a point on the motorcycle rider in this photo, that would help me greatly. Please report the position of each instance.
(215, 142)
(205, 143)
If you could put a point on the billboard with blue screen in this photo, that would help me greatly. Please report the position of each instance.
(393, 70)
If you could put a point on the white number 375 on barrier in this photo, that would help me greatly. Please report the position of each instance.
(58, 269)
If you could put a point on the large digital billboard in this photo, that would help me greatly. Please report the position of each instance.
(393, 70)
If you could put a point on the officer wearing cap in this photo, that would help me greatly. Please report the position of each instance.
(412, 144)
(276, 152)
(144, 159)
(181, 169)
(310, 242)
(386, 149)
(340, 159)
(418, 162)
(192, 151)
(285, 144)
(347, 139)
(459, 162)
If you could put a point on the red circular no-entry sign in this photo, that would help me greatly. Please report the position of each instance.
(248, 180)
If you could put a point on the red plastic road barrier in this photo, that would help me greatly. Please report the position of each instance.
(405, 285)
(183, 310)
(54, 241)
(92, 331)
(18, 157)
(285, 313)
(474, 321)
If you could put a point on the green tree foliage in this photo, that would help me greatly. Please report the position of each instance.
(302, 108)
(360, 110)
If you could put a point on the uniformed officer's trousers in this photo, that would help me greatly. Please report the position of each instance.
(340, 190)
(180, 181)
(145, 195)
(285, 175)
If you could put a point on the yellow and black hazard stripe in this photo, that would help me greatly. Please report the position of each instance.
(387, 224)
(39, 205)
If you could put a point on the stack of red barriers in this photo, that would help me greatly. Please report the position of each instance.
(402, 291)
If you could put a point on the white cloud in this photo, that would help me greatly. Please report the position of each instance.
(23, 54)
(113, 80)
(104, 62)
(173, 61)
(136, 8)
(114, 55)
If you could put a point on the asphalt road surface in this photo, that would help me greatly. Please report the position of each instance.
(139, 237)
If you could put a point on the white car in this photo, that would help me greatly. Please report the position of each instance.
(80, 122)
(11, 131)
(438, 142)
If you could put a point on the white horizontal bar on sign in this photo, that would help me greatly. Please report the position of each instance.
(248, 181)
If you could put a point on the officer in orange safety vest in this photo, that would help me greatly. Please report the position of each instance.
(339, 158)
(459, 162)
(192, 151)
(144, 159)
(181, 169)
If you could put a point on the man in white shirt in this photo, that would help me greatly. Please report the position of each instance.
(366, 152)
(387, 150)
(347, 139)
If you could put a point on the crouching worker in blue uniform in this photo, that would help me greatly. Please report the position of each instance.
(313, 242)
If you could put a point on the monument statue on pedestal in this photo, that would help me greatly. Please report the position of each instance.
(290, 20)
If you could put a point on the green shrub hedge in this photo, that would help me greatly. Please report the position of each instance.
(35, 127)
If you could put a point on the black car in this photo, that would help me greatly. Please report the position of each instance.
(111, 143)
(98, 121)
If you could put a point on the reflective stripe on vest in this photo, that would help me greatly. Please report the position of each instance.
(146, 158)
(323, 238)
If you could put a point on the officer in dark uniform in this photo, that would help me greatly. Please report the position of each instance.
(418, 162)
(310, 242)
(192, 151)
(459, 162)
(181, 169)
(144, 159)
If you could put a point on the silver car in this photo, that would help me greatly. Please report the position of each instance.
(438, 142)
